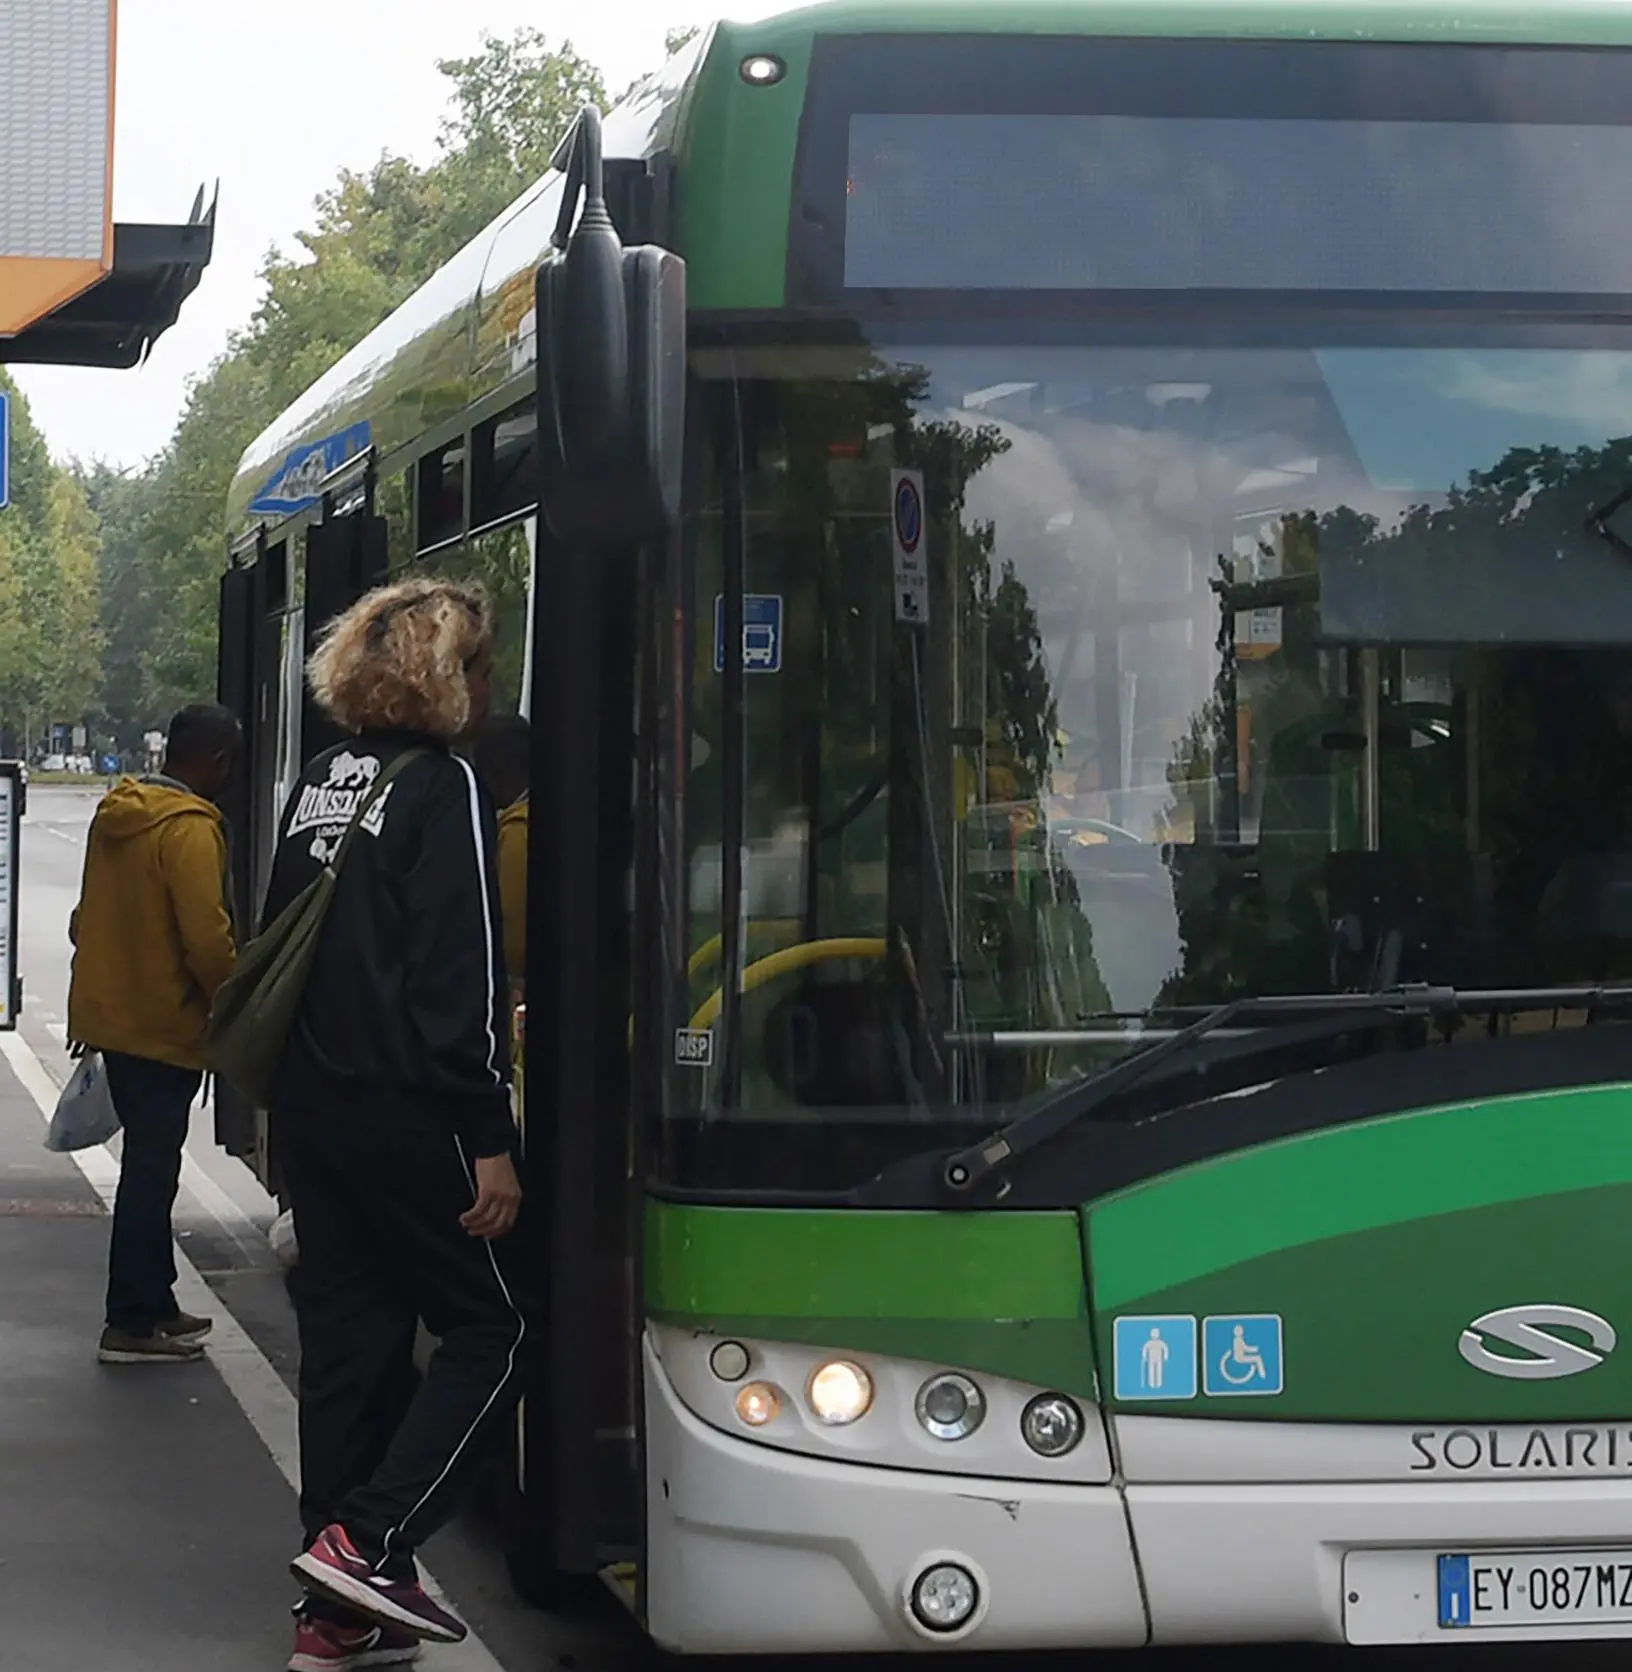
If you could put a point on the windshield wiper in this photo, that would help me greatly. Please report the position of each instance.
(1598, 521)
(1335, 1014)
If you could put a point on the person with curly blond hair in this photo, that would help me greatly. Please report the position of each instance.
(392, 1122)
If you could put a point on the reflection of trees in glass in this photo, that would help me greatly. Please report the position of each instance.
(1023, 715)
(861, 718)
(1552, 724)
(997, 619)
(1027, 954)
(1216, 915)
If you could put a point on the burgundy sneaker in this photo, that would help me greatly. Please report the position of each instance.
(335, 1567)
(327, 1646)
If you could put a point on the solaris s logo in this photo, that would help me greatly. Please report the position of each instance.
(1530, 1329)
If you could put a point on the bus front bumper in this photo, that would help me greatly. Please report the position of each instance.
(755, 1550)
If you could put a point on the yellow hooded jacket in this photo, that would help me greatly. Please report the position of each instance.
(152, 936)
(513, 887)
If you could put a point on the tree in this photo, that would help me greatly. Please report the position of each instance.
(513, 104)
(67, 600)
(50, 648)
(145, 599)
(129, 607)
(376, 237)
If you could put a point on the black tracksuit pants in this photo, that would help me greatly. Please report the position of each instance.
(380, 1248)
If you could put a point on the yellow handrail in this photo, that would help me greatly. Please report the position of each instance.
(790, 958)
(709, 952)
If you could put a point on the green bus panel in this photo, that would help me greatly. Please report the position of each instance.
(737, 145)
(1377, 1246)
(999, 1292)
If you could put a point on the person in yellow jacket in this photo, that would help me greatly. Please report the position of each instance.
(153, 940)
(503, 757)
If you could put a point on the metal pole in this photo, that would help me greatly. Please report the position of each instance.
(1371, 693)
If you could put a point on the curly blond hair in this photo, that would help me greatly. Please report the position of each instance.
(397, 660)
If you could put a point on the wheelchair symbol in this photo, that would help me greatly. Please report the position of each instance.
(1243, 1355)
(1243, 1363)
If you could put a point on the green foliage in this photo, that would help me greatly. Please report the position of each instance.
(109, 581)
(50, 643)
(513, 103)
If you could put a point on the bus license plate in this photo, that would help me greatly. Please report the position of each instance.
(1535, 1588)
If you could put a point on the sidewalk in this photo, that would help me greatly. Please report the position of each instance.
(144, 1522)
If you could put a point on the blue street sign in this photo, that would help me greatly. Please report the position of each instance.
(1242, 1355)
(761, 633)
(295, 484)
(1155, 1358)
(5, 449)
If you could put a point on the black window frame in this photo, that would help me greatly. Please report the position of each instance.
(972, 75)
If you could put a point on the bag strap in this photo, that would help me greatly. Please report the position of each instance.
(380, 786)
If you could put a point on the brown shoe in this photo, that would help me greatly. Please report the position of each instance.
(185, 1327)
(121, 1347)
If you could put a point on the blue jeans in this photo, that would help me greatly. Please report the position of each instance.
(153, 1101)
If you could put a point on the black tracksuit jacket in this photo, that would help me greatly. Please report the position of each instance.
(395, 1081)
(406, 1015)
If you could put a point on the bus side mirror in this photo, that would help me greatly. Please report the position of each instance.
(611, 371)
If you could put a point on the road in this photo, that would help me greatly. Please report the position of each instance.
(222, 1218)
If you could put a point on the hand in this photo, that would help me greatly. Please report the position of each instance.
(498, 1198)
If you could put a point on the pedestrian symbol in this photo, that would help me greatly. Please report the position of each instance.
(1242, 1355)
(1155, 1358)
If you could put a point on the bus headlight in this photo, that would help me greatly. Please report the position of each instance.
(758, 1404)
(840, 1393)
(1051, 1424)
(944, 1597)
(950, 1406)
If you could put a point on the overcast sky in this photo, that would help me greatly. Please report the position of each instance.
(274, 103)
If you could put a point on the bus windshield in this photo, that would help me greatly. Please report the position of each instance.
(1206, 672)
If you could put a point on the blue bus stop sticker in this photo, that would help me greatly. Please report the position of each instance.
(761, 633)
(1241, 1355)
(1155, 1358)
(1455, 1591)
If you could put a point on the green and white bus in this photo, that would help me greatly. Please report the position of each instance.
(1072, 577)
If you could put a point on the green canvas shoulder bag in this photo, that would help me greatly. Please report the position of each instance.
(254, 1011)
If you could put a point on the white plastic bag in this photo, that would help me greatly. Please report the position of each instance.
(282, 1238)
(85, 1114)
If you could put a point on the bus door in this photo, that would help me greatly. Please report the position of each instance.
(578, 1510)
(268, 626)
(254, 601)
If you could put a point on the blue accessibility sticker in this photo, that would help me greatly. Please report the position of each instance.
(1241, 1355)
(1155, 1358)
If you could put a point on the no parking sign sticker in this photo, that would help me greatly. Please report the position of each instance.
(907, 536)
